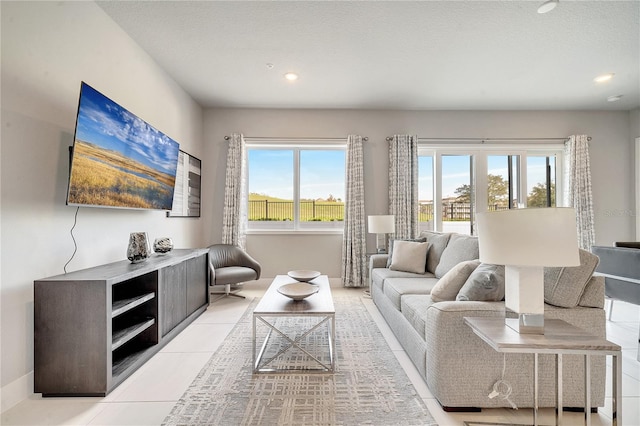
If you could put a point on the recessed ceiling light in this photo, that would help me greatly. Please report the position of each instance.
(614, 98)
(604, 77)
(269, 65)
(547, 6)
(291, 76)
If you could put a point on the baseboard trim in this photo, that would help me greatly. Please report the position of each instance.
(15, 392)
(579, 409)
(461, 409)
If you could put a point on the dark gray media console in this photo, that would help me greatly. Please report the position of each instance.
(94, 327)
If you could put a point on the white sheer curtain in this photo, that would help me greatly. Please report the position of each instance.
(577, 192)
(354, 268)
(403, 184)
(234, 218)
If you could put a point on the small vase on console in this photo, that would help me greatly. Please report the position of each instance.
(138, 250)
(163, 245)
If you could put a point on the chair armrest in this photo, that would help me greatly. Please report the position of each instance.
(222, 255)
(250, 262)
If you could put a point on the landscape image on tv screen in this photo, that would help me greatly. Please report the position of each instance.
(119, 160)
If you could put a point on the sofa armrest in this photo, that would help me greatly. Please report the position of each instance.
(468, 377)
(475, 366)
(378, 261)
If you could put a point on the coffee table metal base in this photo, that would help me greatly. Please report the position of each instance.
(261, 364)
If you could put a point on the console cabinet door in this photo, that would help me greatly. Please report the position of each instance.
(173, 291)
(197, 290)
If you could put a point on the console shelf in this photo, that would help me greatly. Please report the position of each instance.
(122, 306)
(123, 336)
(93, 328)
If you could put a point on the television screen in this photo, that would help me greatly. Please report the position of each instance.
(119, 160)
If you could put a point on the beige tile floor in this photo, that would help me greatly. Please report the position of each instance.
(147, 396)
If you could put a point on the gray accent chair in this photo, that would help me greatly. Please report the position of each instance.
(620, 266)
(229, 266)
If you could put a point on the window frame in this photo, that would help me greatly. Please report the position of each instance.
(479, 181)
(294, 226)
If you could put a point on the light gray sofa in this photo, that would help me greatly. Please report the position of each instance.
(457, 366)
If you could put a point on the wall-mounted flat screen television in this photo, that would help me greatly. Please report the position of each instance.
(118, 159)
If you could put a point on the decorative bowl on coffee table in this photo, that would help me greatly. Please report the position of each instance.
(303, 275)
(298, 291)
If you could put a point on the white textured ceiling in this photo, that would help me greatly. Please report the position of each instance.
(458, 55)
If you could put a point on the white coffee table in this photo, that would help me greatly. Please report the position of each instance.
(280, 314)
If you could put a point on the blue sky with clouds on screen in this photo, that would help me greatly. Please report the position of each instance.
(105, 123)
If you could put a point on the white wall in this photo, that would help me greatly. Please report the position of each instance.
(634, 125)
(47, 49)
(611, 163)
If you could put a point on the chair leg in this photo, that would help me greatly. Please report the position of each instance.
(227, 292)
(610, 309)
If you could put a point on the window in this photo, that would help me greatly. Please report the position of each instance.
(425, 193)
(457, 206)
(503, 190)
(456, 182)
(296, 187)
(541, 178)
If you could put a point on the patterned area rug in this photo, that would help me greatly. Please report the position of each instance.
(369, 387)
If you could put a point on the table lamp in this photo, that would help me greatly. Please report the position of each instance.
(525, 241)
(382, 225)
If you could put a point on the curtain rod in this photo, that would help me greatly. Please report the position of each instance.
(364, 138)
(483, 140)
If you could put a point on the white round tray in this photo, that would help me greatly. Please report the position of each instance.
(298, 291)
(303, 275)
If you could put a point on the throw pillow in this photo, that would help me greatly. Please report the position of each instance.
(417, 240)
(438, 241)
(409, 256)
(450, 284)
(458, 249)
(563, 286)
(486, 283)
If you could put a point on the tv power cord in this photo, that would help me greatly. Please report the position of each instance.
(501, 388)
(75, 244)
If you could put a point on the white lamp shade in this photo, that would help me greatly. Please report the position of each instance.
(529, 237)
(382, 224)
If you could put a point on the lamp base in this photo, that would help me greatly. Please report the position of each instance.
(526, 323)
(381, 243)
(524, 295)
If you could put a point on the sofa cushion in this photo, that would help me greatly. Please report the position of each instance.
(458, 249)
(438, 241)
(409, 256)
(379, 275)
(563, 286)
(396, 288)
(486, 283)
(392, 242)
(414, 309)
(450, 284)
